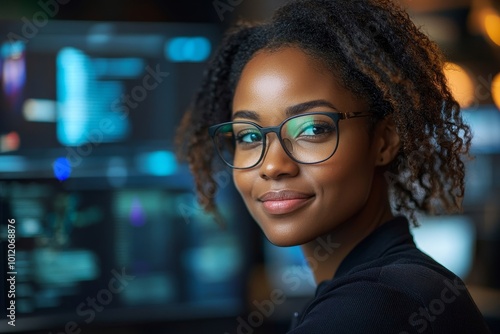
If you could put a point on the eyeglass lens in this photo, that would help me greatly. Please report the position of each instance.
(308, 138)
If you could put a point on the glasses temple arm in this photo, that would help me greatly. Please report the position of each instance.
(347, 115)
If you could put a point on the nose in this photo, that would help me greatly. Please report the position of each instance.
(276, 163)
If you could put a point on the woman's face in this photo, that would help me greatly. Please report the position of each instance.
(295, 203)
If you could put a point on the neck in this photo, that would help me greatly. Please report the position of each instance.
(326, 252)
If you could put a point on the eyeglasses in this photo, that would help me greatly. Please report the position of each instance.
(307, 138)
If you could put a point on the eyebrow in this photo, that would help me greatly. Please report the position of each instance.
(290, 111)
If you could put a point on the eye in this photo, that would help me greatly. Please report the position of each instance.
(248, 137)
(316, 129)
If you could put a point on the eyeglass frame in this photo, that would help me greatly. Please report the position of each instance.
(335, 116)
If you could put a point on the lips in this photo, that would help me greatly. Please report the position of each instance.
(284, 201)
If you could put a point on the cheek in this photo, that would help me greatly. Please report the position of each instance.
(346, 181)
(243, 183)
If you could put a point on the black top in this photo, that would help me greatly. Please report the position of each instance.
(387, 285)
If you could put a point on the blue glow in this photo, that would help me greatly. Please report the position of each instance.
(30, 227)
(72, 83)
(117, 172)
(12, 49)
(205, 261)
(449, 240)
(62, 169)
(289, 262)
(118, 67)
(188, 49)
(13, 163)
(84, 102)
(64, 266)
(484, 123)
(159, 163)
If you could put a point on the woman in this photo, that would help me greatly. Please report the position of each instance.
(326, 114)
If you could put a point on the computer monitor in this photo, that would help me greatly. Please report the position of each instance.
(107, 225)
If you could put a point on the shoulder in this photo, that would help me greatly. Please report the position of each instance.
(358, 304)
(394, 298)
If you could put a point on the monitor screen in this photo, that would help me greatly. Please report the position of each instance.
(107, 225)
(94, 86)
(129, 254)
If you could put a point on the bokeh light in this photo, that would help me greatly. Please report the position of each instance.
(495, 90)
(460, 83)
(62, 168)
(10, 142)
(492, 27)
(188, 49)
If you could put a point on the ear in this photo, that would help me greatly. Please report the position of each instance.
(388, 142)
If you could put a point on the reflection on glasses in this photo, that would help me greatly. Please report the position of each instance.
(307, 138)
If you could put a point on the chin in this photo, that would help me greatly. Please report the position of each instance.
(282, 242)
(286, 236)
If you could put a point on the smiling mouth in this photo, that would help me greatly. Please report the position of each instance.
(284, 202)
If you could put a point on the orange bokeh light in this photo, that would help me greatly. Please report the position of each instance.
(460, 83)
(492, 27)
(495, 90)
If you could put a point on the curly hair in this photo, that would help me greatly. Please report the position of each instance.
(380, 55)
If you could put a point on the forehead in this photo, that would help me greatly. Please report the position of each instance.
(274, 80)
(269, 70)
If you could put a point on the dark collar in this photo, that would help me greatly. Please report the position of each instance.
(382, 241)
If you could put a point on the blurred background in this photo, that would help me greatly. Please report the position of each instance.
(109, 237)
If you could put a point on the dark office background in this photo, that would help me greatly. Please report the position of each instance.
(92, 210)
